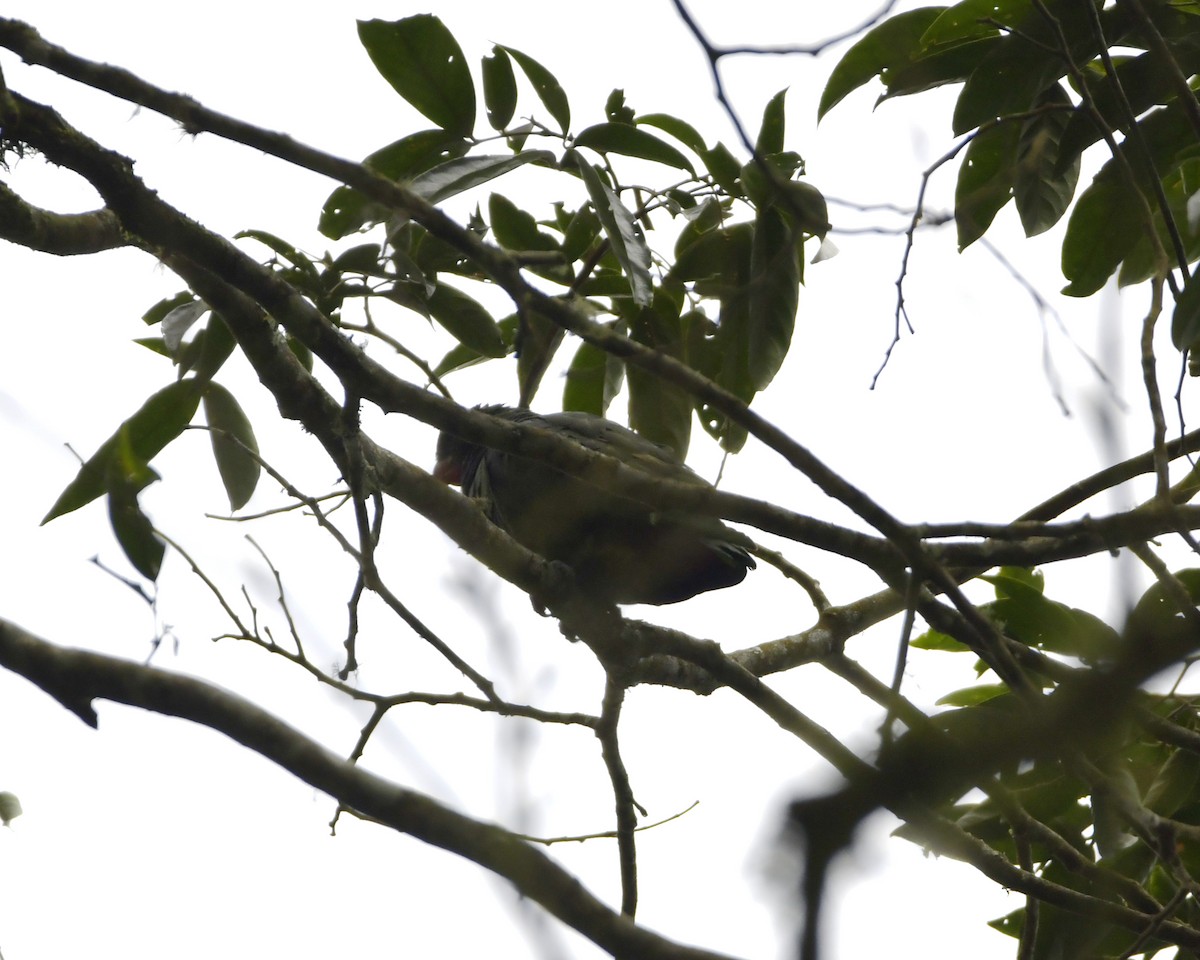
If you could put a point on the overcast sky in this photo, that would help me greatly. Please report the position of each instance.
(152, 838)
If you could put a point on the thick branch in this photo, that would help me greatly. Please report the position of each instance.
(76, 678)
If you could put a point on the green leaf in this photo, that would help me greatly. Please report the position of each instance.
(162, 418)
(593, 379)
(892, 44)
(423, 62)
(1016, 581)
(1102, 229)
(1185, 322)
(771, 130)
(973, 696)
(460, 356)
(632, 142)
(774, 296)
(616, 110)
(537, 341)
(984, 181)
(126, 475)
(682, 131)
(936, 640)
(724, 169)
(156, 313)
(973, 20)
(455, 176)
(1042, 189)
(546, 86)
(233, 442)
(499, 88)
(619, 226)
(466, 320)
(346, 210)
(659, 410)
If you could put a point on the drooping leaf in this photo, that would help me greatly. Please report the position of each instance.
(888, 46)
(682, 131)
(156, 423)
(593, 380)
(499, 88)
(623, 236)
(659, 410)
(233, 443)
(546, 86)
(1103, 227)
(631, 141)
(537, 341)
(985, 180)
(126, 475)
(1042, 187)
(455, 176)
(774, 296)
(465, 319)
(423, 62)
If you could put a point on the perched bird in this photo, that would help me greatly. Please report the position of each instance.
(620, 550)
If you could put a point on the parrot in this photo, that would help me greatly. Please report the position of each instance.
(620, 550)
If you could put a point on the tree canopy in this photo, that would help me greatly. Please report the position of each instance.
(607, 260)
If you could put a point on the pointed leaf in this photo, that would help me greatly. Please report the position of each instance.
(346, 210)
(126, 475)
(619, 226)
(593, 380)
(546, 86)
(985, 180)
(894, 43)
(632, 142)
(499, 88)
(774, 296)
(466, 320)
(423, 62)
(537, 341)
(1042, 189)
(682, 131)
(460, 356)
(178, 321)
(1102, 229)
(455, 176)
(770, 132)
(1185, 323)
(232, 437)
(157, 422)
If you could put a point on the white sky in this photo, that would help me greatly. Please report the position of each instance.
(153, 838)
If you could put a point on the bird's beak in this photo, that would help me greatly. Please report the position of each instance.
(448, 471)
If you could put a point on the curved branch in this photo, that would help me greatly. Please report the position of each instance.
(75, 678)
(62, 234)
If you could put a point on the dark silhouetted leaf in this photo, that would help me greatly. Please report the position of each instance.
(593, 379)
(232, 437)
(985, 181)
(460, 356)
(126, 475)
(1043, 188)
(1101, 230)
(771, 130)
(455, 176)
(623, 236)
(774, 296)
(499, 88)
(466, 320)
(546, 86)
(346, 210)
(423, 62)
(157, 422)
(632, 142)
(682, 131)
